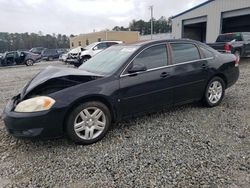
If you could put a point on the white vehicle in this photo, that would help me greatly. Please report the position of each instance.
(64, 57)
(95, 48)
(73, 55)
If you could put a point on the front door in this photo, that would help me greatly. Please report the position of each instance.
(150, 89)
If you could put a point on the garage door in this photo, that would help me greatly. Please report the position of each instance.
(195, 28)
(195, 20)
(236, 21)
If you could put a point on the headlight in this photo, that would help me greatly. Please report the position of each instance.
(35, 104)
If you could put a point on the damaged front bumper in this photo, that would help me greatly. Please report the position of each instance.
(44, 124)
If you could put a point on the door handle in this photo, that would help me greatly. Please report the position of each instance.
(204, 66)
(164, 74)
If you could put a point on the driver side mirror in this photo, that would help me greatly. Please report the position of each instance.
(95, 48)
(137, 68)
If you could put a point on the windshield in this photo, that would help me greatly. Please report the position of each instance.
(90, 46)
(109, 60)
(229, 37)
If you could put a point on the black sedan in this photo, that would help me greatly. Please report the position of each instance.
(120, 82)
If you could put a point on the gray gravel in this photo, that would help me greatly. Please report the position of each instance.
(188, 146)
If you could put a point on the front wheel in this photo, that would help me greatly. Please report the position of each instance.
(214, 92)
(84, 59)
(88, 123)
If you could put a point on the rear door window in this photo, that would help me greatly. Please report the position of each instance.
(184, 52)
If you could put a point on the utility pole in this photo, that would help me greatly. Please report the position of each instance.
(151, 10)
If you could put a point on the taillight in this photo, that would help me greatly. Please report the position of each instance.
(236, 62)
(227, 47)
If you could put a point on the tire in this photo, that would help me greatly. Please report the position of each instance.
(29, 62)
(81, 126)
(215, 92)
(50, 58)
(83, 60)
(238, 55)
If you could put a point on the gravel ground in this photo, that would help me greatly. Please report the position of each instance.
(187, 146)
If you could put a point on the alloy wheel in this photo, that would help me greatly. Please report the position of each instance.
(90, 123)
(29, 62)
(215, 92)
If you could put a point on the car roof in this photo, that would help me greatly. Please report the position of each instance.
(149, 42)
(118, 41)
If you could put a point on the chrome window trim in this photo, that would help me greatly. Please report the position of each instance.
(158, 68)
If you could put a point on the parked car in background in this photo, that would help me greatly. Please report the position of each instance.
(235, 43)
(91, 50)
(19, 58)
(64, 57)
(118, 83)
(50, 54)
(1, 55)
(63, 54)
(37, 50)
(62, 51)
(74, 55)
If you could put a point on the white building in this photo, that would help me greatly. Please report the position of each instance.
(207, 20)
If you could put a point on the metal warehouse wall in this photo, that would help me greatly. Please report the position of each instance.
(213, 11)
(126, 36)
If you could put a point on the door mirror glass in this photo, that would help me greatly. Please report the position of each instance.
(137, 68)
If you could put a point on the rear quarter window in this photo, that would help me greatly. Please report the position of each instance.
(184, 52)
(206, 53)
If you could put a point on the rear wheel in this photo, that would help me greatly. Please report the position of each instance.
(29, 62)
(88, 123)
(214, 92)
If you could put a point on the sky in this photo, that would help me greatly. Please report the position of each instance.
(82, 16)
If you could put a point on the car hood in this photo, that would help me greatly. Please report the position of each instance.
(85, 52)
(55, 78)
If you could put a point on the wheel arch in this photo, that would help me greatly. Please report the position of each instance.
(87, 55)
(239, 49)
(97, 98)
(222, 76)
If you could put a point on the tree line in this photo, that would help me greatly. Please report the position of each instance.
(162, 25)
(26, 41)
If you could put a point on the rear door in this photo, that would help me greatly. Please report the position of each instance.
(190, 71)
(150, 89)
